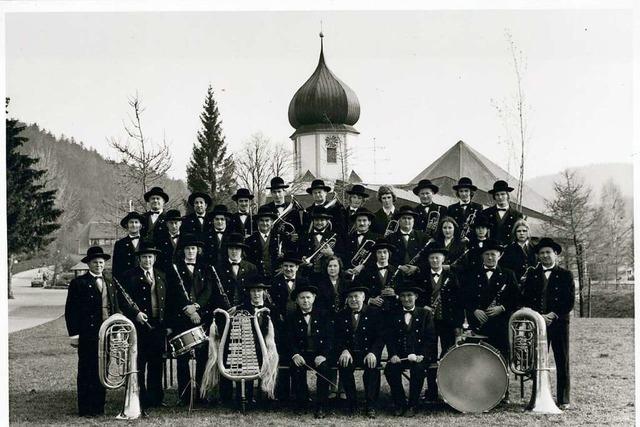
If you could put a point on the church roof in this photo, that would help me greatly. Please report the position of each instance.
(324, 99)
(462, 160)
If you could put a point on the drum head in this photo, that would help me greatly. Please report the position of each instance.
(472, 378)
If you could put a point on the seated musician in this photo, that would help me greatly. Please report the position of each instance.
(443, 299)
(316, 240)
(310, 339)
(464, 210)
(358, 344)
(380, 277)
(429, 212)
(241, 221)
(411, 344)
(387, 212)
(502, 216)
(519, 255)
(448, 237)
(490, 295)
(408, 242)
(357, 197)
(91, 299)
(550, 290)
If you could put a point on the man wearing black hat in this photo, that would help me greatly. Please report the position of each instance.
(319, 191)
(490, 296)
(408, 242)
(197, 222)
(442, 298)
(242, 220)
(379, 276)
(168, 241)
(317, 239)
(357, 197)
(362, 219)
(215, 236)
(471, 260)
(158, 297)
(411, 344)
(358, 344)
(234, 270)
(550, 291)
(153, 224)
(265, 245)
(502, 216)
(91, 299)
(462, 210)
(387, 197)
(429, 212)
(124, 250)
(310, 339)
(296, 215)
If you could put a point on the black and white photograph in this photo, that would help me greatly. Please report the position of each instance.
(328, 213)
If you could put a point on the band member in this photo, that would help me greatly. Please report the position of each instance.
(429, 212)
(502, 216)
(284, 284)
(550, 290)
(242, 220)
(264, 245)
(357, 197)
(443, 301)
(197, 222)
(519, 255)
(215, 238)
(197, 281)
(448, 237)
(318, 240)
(387, 212)
(408, 242)
(319, 191)
(490, 296)
(472, 259)
(411, 344)
(168, 241)
(296, 214)
(153, 224)
(157, 299)
(379, 277)
(124, 250)
(91, 299)
(235, 271)
(465, 208)
(310, 339)
(358, 344)
(363, 218)
(331, 286)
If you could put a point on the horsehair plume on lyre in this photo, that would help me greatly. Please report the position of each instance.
(270, 361)
(211, 375)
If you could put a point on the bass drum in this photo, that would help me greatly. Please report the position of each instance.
(472, 377)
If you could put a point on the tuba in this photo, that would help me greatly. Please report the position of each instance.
(529, 357)
(117, 362)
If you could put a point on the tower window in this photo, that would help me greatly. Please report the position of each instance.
(331, 143)
(332, 155)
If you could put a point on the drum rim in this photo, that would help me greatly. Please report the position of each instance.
(185, 349)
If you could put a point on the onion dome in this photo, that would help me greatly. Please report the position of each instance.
(324, 100)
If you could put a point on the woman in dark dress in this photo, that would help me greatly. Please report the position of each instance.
(448, 237)
(331, 284)
(519, 255)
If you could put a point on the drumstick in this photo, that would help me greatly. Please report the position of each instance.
(321, 376)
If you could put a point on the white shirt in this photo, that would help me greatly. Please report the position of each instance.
(547, 270)
(407, 315)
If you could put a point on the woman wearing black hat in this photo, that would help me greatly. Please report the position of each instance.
(357, 196)
(124, 250)
(503, 215)
(464, 208)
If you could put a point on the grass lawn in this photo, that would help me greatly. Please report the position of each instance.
(42, 388)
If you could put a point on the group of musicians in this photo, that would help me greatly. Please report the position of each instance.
(341, 283)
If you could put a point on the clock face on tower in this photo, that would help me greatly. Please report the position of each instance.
(331, 144)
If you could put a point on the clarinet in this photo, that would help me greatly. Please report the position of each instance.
(220, 288)
(127, 298)
(412, 261)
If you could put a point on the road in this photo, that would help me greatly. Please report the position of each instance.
(33, 306)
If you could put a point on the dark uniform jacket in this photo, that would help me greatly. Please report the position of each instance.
(297, 218)
(471, 260)
(418, 338)
(236, 225)
(423, 218)
(191, 224)
(456, 249)
(150, 231)
(338, 219)
(329, 298)
(318, 341)
(124, 257)
(403, 254)
(351, 246)
(83, 308)
(367, 337)
(447, 293)
(518, 259)
(170, 251)
(280, 295)
(457, 212)
(382, 220)
(233, 286)
(500, 229)
(560, 292)
(308, 244)
(372, 279)
(266, 266)
(478, 292)
(215, 245)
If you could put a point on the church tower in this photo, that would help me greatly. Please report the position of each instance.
(323, 112)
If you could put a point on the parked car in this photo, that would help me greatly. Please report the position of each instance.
(39, 280)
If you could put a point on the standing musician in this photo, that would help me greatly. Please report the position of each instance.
(363, 219)
(296, 215)
(472, 259)
(490, 296)
(319, 191)
(358, 344)
(91, 299)
(317, 239)
(461, 210)
(550, 290)
(357, 196)
(427, 209)
(519, 255)
(379, 277)
(197, 222)
(411, 344)
(310, 339)
(408, 241)
(242, 220)
(124, 250)
(448, 237)
(215, 238)
(153, 224)
(168, 241)
(196, 277)
(158, 297)
(502, 216)
(331, 285)
(387, 212)
(264, 245)
(234, 271)
(443, 301)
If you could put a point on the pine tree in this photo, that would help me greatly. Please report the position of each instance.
(210, 170)
(31, 211)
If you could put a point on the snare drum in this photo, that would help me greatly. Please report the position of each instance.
(184, 342)
(473, 377)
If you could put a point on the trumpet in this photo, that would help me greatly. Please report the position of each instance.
(363, 254)
(432, 221)
(466, 227)
(329, 243)
(392, 227)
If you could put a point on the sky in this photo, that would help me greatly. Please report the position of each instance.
(424, 79)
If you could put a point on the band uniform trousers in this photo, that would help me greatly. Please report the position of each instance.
(558, 338)
(91, 392)
(393, 374)
(151, 346)
(446, 334)
(299, 379)
(370, 377)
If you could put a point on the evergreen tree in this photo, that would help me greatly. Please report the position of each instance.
(31, 211)
(210, 170)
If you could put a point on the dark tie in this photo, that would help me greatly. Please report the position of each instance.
(235, 263)
(435, 276)
(502, 209)
(382, 268)
(190, 263)
(354, 320)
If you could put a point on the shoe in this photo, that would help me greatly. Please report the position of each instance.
(410, 412)
(398, 412)
(506, 401)
(371, 413)
(320, 414)
(564, 406)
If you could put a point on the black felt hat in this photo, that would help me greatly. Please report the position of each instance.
(425, 183)
(156, 191)
(464, 182)
(95, 252)
(318, 183)
(124, 222)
